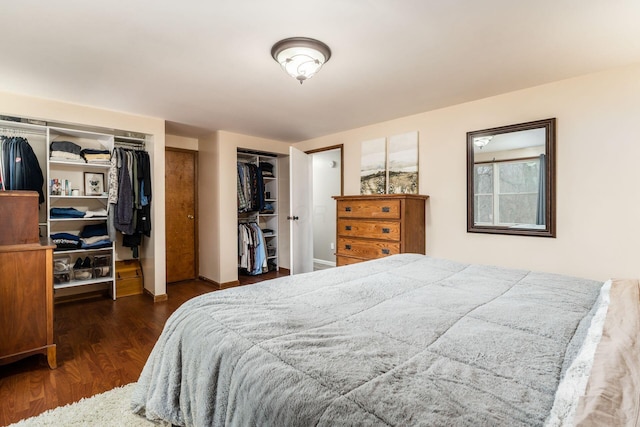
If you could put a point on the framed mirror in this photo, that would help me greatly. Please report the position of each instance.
(511, 179)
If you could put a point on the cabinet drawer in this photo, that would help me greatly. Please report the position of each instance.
(383, 230)
(369, 209)
(367, 249)
(345, 260)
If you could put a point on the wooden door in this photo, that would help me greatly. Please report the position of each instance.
(181, 208)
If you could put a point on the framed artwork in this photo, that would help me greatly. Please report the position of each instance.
(93, 184)
(403, 164)
(373, 166)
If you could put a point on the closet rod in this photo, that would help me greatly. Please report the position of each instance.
(247, 221)
(19, 131)
(129, 144)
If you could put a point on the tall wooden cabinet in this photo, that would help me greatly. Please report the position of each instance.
(375, 226)
(26, 281)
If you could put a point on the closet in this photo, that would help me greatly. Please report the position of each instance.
(95, 199)
(257, 202)
(77, 209)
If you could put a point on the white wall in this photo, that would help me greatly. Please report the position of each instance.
(598, 178)
(184, 142)
(326, 183)
(153, 248)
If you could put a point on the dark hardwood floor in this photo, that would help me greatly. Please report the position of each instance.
(101, 344)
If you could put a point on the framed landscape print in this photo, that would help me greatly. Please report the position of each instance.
(373, 167)
(403, 164)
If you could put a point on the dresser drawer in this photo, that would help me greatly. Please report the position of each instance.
(383, 230)
(369, 209)
(345, 260)
(367, 249)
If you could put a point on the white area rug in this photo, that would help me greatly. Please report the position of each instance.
(109, 409)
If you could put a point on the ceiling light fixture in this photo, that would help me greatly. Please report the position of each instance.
(301, 57)
(481, 141)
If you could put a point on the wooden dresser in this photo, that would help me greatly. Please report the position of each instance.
(26, 281)
(375, 226)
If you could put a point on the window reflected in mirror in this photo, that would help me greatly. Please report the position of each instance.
(510, 179)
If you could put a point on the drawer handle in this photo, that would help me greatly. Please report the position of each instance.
(386, 209)
(386, 231)
(385, 251)
(347, 247)
(347, 209)
(347, 227)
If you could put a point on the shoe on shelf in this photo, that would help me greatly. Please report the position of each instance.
(86, 263)
(78, 264)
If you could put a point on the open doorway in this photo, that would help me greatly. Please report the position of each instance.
(327, 182)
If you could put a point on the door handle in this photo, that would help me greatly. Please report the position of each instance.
(293, 218)
(190, 216)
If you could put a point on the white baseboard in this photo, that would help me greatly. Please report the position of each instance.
(324, 262)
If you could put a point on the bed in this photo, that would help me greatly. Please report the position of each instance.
(404, 340)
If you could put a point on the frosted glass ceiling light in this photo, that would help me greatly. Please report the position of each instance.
(481, 141)
(301, 57)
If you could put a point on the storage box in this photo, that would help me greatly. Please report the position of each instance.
(102, 266)
(82, 273)
(129, 278)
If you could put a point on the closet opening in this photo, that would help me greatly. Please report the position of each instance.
(258, 212)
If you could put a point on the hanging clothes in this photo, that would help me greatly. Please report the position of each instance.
(20, 169)
(252, 252)
(250, 185)
(129, 201)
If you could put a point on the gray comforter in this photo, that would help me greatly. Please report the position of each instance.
(405, 340)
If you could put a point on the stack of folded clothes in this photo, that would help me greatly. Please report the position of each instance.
(65, 241)
(94, 236)
(266, 169)
(95, 213)
(66, 213)
(75, 213)
(66, 151)
(96, 156)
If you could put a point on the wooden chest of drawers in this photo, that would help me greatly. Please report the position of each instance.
(26, 281)
(370, 227)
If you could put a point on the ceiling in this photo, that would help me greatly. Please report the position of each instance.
(205, 65)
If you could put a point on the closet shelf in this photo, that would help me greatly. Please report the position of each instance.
(81, 251)
(79, 197)
(91, 218)
(75, 283)
(82, 165)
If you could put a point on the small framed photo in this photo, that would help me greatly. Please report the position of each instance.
(93, 184)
